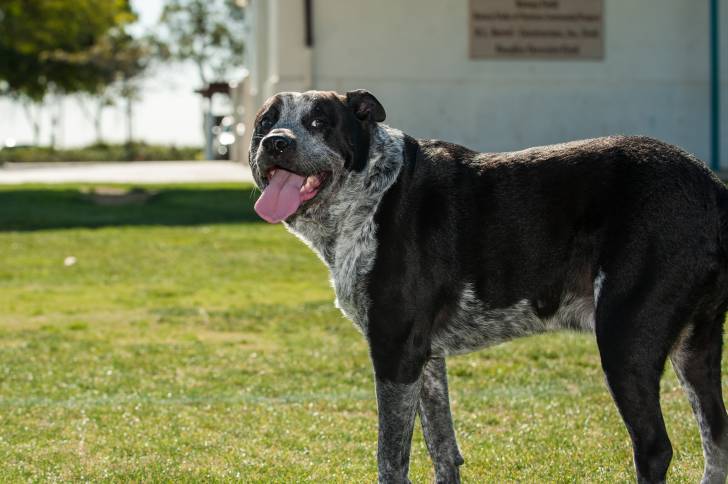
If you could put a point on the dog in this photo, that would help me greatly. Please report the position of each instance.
(436, 250)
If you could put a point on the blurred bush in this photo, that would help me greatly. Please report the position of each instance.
(101, 152)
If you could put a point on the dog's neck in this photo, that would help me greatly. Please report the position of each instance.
(333, 228)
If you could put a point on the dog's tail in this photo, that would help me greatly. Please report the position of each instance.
(722, 199)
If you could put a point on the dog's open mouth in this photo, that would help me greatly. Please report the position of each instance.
(285, 192)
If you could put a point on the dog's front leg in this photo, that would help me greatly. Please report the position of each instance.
(437, 423)
(397, 406)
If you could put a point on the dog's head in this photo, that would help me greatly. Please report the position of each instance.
(306, 144)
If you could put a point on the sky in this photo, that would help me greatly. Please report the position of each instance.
(169, 111)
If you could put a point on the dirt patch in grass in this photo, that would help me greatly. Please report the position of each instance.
(115, 196)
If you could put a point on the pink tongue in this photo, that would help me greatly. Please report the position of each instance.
(281, 198)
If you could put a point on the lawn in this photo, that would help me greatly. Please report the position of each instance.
(190, 342)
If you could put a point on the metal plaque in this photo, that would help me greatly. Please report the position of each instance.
(536, 29)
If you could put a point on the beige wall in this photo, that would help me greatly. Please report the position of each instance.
(276, 58)
(413, 54)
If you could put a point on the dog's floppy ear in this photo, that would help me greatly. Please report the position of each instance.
(365, 106)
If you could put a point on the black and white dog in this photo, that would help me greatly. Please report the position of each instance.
(437, 250)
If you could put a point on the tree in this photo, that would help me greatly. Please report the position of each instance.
(210, 33)
(92, 106)
(45, 47)
(119, 60)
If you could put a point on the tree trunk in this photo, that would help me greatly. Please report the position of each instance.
(129, 119)
(36, 132)
(201, 71)
(33, 119)
(207, 122)
(56, 112)
(98, 128)
(94, 114)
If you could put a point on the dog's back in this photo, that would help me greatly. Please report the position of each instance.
(541, 225)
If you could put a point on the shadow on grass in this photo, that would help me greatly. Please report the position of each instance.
(26, 209)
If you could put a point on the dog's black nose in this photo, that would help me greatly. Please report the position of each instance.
(278, 144)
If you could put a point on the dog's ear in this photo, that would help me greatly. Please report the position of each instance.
(365, 106)
(359, 143)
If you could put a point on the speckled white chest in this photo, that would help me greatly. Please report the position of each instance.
(346, 241)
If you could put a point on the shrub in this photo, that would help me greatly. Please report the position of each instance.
(101, 152)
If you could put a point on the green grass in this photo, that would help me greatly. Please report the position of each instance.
(190, 342)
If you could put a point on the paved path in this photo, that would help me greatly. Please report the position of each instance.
(121, 172)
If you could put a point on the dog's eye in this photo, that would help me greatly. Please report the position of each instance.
(265, 124)
(318, 123)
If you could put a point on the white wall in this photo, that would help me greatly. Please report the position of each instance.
(276, 58)
(282, 60)
(413, 55)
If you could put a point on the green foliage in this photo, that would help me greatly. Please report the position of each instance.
(116, 58)
(209, 33)
(189, 343)
(51, 45)
(102, 152)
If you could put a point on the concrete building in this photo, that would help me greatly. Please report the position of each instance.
(647, 70)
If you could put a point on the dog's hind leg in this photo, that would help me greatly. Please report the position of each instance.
(696, 359)
(634, 340)
(396, 407)
(636, 391)
(437, 423)
(635, 387)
